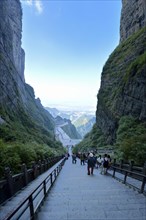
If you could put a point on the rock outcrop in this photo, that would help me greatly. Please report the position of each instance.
(123, 81)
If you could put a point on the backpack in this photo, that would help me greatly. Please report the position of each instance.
(105, 163)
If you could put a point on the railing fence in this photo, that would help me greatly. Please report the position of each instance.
(124, 173)
(13, 183)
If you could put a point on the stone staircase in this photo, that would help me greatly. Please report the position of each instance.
(77, 196)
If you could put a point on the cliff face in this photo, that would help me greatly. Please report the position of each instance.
(11, 54)
(17, 99)
(133, 17)
(123, 81)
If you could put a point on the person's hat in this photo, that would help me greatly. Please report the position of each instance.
(90, 155)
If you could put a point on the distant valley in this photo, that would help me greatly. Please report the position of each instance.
(82, 120)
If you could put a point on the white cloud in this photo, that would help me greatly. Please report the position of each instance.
(34, 3)
(27, 2)
(39, 6)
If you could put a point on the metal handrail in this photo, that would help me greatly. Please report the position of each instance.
(14, 183)
(126, 172)
(30, 199)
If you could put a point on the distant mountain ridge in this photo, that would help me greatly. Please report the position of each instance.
(68, 127)
(86, 126)
(65, 123)
(83, 121)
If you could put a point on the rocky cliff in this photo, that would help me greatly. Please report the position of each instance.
(121, 106)
(133, 17)
(11, 55)
(19, 110)
(123, 80)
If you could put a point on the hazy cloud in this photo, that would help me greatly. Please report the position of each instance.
(27, 2)
(39, 6)
(34, 3)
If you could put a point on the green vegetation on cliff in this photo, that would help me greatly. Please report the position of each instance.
(14, 154)
(92, 141)
(130, 143)
(125, 64)
(131, 140)
(23, 140)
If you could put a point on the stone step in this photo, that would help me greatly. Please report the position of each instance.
(86, 205)
(96, 215)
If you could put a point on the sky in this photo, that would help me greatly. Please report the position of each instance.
(66, 45)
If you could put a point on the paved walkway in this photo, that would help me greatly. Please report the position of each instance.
(77, 196)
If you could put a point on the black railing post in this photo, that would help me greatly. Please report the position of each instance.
(34, 168)
(40, 166)
(43, 166)
(131, 165)
(44, 184)
(55, 173)
(51, 179)
(114, 170)
(121, 164)
(125, 177)
(31, 207)
(47, 163)
(25, 174)
(57, 170)
(9, 179)
(114, 163)
(144, 169)
(143, 184)
(144, 178)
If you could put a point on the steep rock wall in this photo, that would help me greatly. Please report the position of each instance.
(12, 55)
(123, 81)
(133, 17)
(16, 97)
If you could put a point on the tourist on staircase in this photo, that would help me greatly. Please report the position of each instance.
(82, 159)
(90, 164)
(105, 164)
(74, 158)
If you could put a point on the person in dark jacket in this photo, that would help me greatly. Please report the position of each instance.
(91, 164)
(74, 158)
(105, 164)
(82, 159)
